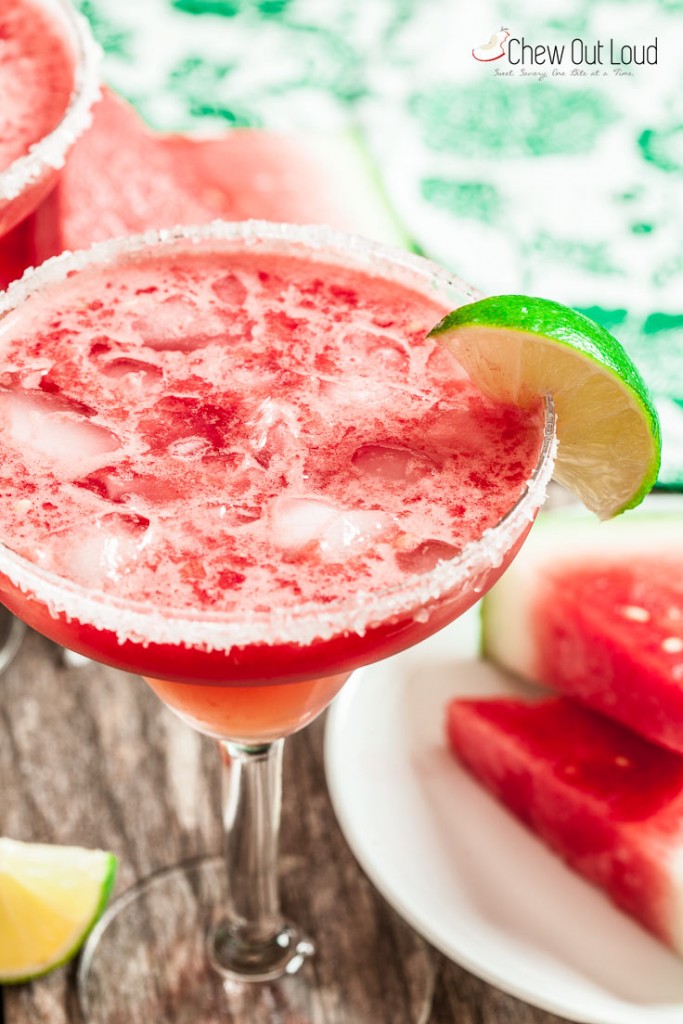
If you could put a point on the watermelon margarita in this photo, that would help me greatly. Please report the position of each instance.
(233, 462)
(259, 442)
(47, 85)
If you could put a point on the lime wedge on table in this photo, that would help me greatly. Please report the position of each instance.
(517, 348)
(50, 897)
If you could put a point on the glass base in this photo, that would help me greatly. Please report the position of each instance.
(283, 954)
(150, 959)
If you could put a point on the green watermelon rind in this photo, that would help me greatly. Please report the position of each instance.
(562, 537)
(348, 162)
(396, 233)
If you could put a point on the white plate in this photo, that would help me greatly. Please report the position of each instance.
(461, 870)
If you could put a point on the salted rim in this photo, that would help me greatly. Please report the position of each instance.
(51, 150)
(133, 620)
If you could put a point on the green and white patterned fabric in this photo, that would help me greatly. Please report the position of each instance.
(568, 185)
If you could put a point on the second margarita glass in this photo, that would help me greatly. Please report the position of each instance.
(65, 40)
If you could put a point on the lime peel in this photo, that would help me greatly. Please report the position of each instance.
(50, 899)
(518, 348)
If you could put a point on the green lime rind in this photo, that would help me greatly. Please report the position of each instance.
(560, 323)
(108, 880)
(536, 319)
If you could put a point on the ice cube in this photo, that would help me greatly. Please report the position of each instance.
(191, 448)
(121, 484)
(351, 532)
(273, 430)
(240, 503)
(354, 391)
(176, 418)
(377, 352)
(105, 549)
(177, 324)
(300, 521)
(453, 429)
(230, 290)
(137, 370)
(426, 556)
(272, 413)
(235, 514)
(69, 442)
(334, 533)
(392, 462)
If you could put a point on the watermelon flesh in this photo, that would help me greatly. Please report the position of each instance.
(122, 178)
(595, 611)
(606, 800)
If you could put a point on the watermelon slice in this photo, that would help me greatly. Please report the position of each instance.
(609, 802)
(122, 178)
(595, 611)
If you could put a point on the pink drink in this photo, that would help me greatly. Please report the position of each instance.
(37, 76)
(262, 441)
(47, 86)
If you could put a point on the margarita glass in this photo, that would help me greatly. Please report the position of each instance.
(374, 514)
(49, 82)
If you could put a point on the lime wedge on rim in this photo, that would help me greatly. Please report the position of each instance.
(517, 349)
(50, 898)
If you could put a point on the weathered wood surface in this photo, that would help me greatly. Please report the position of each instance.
(89, 756)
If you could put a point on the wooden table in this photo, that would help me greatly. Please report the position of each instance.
(89, 756)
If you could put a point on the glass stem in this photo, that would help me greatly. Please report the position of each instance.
(254, 942)
(252, 798)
